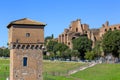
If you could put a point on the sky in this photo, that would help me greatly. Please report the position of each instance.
(58, 14)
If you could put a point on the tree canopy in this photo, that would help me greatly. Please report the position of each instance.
(4, 52)
(50, 45)
(60, 47)
(111, 42)
(82, 44)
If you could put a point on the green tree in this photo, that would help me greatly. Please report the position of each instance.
(82, 44)
(60, 47)
(67, 54)
(95, 53)
(90, 55)
(97, 50)
(74, 53)
(4, 52)
(111, 43)
(50, 45)
(48, 38)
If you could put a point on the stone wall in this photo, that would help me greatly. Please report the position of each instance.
(33, 70)
(76, 29)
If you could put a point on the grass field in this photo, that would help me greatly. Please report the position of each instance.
(51, 68)
(98, 72)
(4, 69)
(59, 68)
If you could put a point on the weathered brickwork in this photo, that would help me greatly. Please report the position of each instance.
(106, 27)
(26, 38)
(76, 29)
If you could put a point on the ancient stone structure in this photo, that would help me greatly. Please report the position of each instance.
(76, 29)
(106, 27)
(26, 39)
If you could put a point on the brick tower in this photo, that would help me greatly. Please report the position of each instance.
(26, 38)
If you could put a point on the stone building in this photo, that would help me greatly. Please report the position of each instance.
(26, 39)
(106, 27)
(77, 29)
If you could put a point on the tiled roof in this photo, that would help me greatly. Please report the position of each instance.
(25, 21)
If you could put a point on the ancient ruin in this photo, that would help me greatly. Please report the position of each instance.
(77, 29)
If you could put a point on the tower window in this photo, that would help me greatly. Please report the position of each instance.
(27, 34)
(76, 29)
(24, 61)
(105, 30)
(110, 29)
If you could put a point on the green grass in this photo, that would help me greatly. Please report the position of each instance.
(100, 72)
(52, 68)
(57, 66)
(4, 69)
(50, 77)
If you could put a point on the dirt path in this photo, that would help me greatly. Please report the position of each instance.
(82, 68)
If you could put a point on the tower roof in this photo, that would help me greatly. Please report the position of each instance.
(25, 21)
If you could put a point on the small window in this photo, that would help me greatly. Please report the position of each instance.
(24, 61)
(27, 34)
(105, 30)
(76, 29)
(110, 29)
(69, 43)
(114, 28)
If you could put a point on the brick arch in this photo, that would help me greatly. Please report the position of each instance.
(18, 46)
(27, 46)
(23, 46)
(115, 28)
(41, 46)
(37, 46)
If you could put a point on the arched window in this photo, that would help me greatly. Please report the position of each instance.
(114, 28)
(110, 29)
(69, 43)
(76, 29)
(105, 30)
(119, 27)
(27, 47)
(32, 46)
(23, 46)
(36, 47)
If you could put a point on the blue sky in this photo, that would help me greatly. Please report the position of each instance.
(58, 14)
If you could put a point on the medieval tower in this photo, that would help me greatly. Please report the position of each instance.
(26, 39)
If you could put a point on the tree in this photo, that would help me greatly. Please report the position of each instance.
(111, 43)
(50, 45)
(82, 44)
(74, 53)
(49, 38)
(4, 52)
(97, 50)
(90, 55)
(67, 54)
(60, 47)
